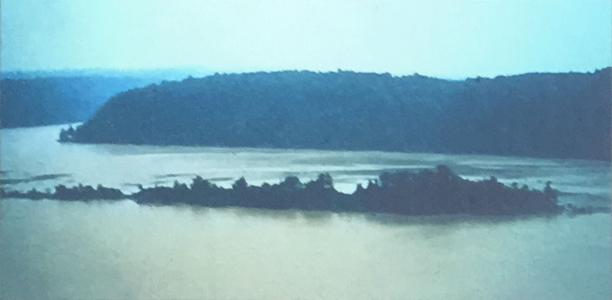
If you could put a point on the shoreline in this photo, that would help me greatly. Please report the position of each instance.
(426, 192)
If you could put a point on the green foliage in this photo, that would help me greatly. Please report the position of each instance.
(548, 115)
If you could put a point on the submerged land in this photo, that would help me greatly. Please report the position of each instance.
(427, 192)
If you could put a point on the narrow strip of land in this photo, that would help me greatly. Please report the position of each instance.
(427, 192)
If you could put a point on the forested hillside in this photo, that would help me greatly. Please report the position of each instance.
(56, 100)
(54, 97)
(565, 115)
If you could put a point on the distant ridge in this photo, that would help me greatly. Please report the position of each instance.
(157, 74)
(35, 98)
(562, 115)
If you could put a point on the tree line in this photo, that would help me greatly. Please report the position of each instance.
(561, 115)
(427, 192)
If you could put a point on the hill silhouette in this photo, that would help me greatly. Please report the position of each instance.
(563, 115)
(427, 192)
(36, 98)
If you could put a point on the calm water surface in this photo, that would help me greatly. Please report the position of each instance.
(102, 250)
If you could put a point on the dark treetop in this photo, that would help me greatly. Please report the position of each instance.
(564, 115)
(428, 192)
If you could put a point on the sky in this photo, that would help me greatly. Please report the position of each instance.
(444, 38)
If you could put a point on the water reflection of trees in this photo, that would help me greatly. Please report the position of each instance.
(426, 192)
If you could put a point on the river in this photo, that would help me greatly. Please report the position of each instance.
(120, 250)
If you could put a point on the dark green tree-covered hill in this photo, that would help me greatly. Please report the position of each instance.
(565, 115)
(56, 100)
(57, 97)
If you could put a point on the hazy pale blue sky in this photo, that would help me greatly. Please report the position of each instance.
(451, 38)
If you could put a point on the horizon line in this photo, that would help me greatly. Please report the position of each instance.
(209, 71)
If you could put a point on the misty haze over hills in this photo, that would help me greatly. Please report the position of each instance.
(305, 149)
(563, 115)
(153, 74)
(34, 98)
